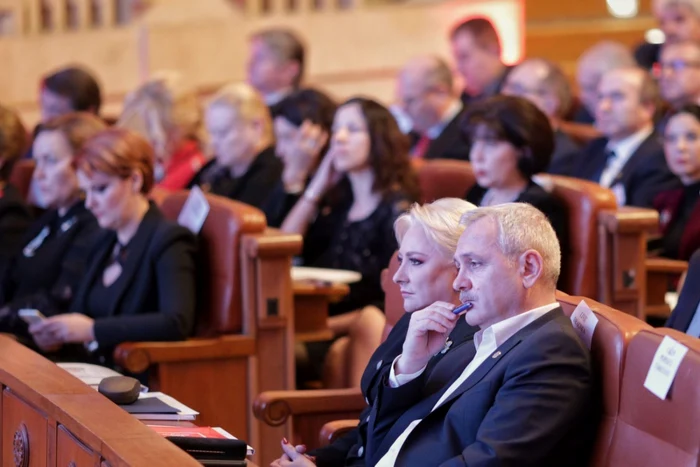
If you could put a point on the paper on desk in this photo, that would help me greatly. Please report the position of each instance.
(88, 373)
(585, 322)
(664, 367)
(195, 210)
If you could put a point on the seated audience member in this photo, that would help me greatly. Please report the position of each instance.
(511, 141)
(244, 167)
(544, 84)
(524, 392)
(629, 158)
(592, 65)
(679, 209)
(48, 270)
(140, 282)
(171, 121)
(275, 64)
(680, 73)
(302, 126)
(14, 213)
(679, 20)
(427, 237)
(476, 50)
(347, 213)
(426, 91)
(686, 315)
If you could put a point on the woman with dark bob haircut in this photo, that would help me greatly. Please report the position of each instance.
(139, 284)
(302, 127)
(347, 212)
(512, 140)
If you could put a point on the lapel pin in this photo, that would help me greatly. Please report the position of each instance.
(448, 345)
(496, 354)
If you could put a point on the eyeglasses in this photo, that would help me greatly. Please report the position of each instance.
(678, 66)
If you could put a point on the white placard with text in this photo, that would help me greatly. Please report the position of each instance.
(585, 322)
(195, 210)
(664, 367)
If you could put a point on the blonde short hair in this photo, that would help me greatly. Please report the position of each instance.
(658, 6)
(522, 227)
(440, 221)
(246, 104)
(163, 105)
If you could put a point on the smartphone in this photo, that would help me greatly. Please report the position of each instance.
(30, 315)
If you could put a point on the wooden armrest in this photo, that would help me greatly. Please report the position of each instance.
(665, 265)
(271, 243)
(275, 407)
(628, 219)
(311, 288)
(137, 357)
(334, 430)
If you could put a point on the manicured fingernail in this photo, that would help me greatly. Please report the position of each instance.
(284, 441)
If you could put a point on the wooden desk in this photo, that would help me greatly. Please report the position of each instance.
(311, 300)
(50, 418)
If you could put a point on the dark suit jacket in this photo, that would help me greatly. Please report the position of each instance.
(253, 187)
(346, 450)
(279, 203)
(532, 403)
(450, 144)
(669, 204)
(494, 88)
(565, 155)
(154, 299)
(643, 176)
(48, 277)
(689, 298)
(15, 219)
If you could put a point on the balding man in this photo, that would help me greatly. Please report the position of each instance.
(679, 20)
(629, 158)
(523, 393)
(544, 84)
(426, 92)
(592, 65)
(680, 73)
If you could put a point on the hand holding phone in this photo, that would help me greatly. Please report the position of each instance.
(31, 315)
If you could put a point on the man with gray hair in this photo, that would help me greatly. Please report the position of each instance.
(426, 91)
(592, 65)
(527, 363)
(544, 84)
(679, 20)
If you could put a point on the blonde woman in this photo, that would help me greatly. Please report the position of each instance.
(239, 127)
(170, 119)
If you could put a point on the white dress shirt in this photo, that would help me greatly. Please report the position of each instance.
(623, 150)
(486, 342)
(276, 97)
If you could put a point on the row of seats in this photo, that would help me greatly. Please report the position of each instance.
(637, 428)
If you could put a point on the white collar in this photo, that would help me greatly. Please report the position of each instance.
(451, 112)
(275, 97)
(500, 332)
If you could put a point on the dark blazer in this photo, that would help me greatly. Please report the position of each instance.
(45, 276)
(582, 115)
(15, 219)
(349, 449)
(689, 298)
(565, 155)
(279, 203)
(450, 144)
(253, 187)
(643, 176)
(531, 403)
(494, 88)
(154, 298)
(670, 205)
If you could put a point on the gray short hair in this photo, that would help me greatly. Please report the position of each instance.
(522, 227)
(440, 220)
(659, 5)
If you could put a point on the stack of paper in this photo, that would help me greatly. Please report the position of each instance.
(168, 408)
(88, 373)
(196, 432)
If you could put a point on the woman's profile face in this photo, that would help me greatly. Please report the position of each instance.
(350, 143)
(54, 174)
(425, 272)
(494, 161)
(682, 147)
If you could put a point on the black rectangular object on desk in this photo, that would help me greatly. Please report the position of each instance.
(213, 450)
(149, 405)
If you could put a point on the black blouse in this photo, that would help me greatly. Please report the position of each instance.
(15, 219)
(364, 246)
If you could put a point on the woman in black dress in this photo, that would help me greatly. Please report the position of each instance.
(46, 272)
(140, 282)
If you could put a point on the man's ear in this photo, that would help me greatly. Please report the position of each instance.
(292, 70)
(531, 267)
(136, 181)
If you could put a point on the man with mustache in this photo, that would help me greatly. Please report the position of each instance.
(523, 394)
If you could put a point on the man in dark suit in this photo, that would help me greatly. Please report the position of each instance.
(680, 73)
(524, 394)
(629, 158)
(425, 89)
(476, 50)
(686, 315)
(544, 84)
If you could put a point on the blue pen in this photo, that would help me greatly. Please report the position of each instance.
(463, 307)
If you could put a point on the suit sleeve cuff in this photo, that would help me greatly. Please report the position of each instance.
(399, 380)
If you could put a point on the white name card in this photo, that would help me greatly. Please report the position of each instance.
(194, 211)
(585, 322)
(664, 367)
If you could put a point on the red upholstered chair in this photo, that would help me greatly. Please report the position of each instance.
(443, 178)
(649, 431)
(244, 338)
(21, 176)
(309, 410)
